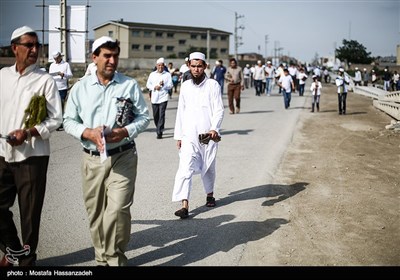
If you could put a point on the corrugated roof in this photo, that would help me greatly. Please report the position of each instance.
(155, 27)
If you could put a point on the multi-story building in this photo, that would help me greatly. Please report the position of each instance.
(142, 40)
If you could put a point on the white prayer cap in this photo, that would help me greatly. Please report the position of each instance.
(160, 60)
(269, 62)
(356, 68)
(56, 54)
(186, 59)
(341, 70)
(197, 55)
(217, 62)
(365, 69)
(21, 31)
(259, 62)
(100, 41)
(247, 65)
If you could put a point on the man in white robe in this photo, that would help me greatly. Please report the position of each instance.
(200, 110)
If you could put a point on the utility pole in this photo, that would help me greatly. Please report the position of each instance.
(349, 30)
(63, 28)
(236, 36)
(277, 52)
(87, 49)
(208, 45)
(42, 54)
(266, 43)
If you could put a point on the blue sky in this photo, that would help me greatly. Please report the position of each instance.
(301, 28)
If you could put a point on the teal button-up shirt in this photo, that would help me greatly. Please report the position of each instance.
(91, 104)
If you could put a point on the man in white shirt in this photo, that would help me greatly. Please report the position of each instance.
(269, 76)
(24, 145)
(159, 83)
(287, 85)
(342, 81)
(357, 77)
(61, 72)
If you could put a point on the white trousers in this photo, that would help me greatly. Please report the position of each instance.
(194, 161)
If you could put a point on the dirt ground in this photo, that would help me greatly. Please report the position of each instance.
(348, 213)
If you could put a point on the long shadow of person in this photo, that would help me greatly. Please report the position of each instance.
(273, 193)
(187, 241)
(193, 240)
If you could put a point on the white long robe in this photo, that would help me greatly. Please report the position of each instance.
(200, 109)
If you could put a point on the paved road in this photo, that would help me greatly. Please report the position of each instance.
(252, 146)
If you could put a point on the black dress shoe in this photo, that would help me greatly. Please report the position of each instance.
(183, 213)
(159, 136)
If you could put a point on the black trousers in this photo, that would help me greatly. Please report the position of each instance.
(342, 102)
(28, 180)
(159, 116)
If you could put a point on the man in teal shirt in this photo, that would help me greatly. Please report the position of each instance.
(106, 111)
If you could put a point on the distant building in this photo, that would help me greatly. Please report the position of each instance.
(249, 58)
(142, 40)
(398, 55)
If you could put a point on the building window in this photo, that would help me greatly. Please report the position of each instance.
(214, 37)
(135, 47)
(135, 33)
(111, 34)
(223, 51)
(213, 50)
(224, 38)
(170, 35)
(147, 34)
(182, 42)
(159, 48)
(159, 34)
(182, 54)
(203, 36)
(193, 36)
(170, 48)
(147, 47)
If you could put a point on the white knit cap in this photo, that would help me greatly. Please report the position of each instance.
(100, 41)
(160, 60)
(56, 54)
(21, 31)
(197, 55)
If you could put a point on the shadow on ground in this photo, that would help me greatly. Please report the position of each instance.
(181, 242)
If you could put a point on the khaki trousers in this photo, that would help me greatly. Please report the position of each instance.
(108, 190)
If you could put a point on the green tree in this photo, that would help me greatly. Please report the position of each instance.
(354, 52)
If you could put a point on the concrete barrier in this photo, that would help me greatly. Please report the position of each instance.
(388, 102)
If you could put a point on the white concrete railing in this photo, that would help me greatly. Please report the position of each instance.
(388, 102)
